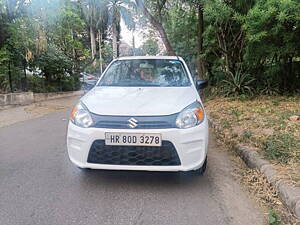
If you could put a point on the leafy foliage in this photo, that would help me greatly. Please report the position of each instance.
(260, 36)
(53, 63)
(274, 219)
(272, 31)
(181, 26)
(150, 47)
(55, 38)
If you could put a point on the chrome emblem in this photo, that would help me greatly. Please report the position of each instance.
(132, 123)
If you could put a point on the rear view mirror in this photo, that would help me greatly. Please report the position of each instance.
(201, 84)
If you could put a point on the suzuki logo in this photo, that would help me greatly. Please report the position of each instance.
(132, 123)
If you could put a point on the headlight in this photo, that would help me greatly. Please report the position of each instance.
(80, 116)
(191, 116)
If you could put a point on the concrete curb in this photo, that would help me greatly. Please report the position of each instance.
(26, 98)
(289, 195)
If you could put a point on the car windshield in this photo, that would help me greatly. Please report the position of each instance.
(146, 72)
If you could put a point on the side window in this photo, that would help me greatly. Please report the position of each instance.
(109, 78)
(194, 77)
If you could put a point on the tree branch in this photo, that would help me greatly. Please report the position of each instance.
(156, 25)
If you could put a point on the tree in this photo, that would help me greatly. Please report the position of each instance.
(156, 24)
(120, 9)
(181, 27)
(36, 31)
(198, 5)
(272, 30)
(10, 11)
(253, 38)
(95, 14)
(225, 38)
(53, 63)
(201, 62)
(69, 33)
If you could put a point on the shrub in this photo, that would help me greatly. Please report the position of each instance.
(4, 84)
(238, 83)
(68, 84)
(36, 83)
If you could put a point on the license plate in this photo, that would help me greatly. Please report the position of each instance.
(132, 139)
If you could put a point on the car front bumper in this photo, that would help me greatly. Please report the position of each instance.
(191, 146)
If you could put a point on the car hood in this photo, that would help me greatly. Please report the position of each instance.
(138, 101)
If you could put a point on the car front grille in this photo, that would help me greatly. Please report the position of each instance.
(165, 155)
(124, 125)
(142, 122)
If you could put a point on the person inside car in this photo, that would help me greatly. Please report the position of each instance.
(147, 72)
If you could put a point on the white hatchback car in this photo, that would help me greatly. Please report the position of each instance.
(144, 113)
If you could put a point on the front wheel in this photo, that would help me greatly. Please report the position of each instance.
(84, 169)
(202, 169)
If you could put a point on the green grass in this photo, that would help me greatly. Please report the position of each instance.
(246, 135)
(274, 218)
(226, 124)
(263, 123)
(282, 147)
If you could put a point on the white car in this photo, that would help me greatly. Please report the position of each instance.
(85, 78)
(144, 113)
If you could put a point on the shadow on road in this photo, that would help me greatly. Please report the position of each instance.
(170, 180)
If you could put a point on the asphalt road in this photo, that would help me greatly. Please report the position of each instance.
(39, 185)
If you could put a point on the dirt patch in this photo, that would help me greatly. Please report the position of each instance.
(264, 125)
(269, 125)
(265, 194)
(261, 191)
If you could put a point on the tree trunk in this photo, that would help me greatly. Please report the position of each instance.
(157, 26)
(291, 79)
(100, 51)
(73, 49)
(25, 75)
(115, 47)
(285, 75)
(9, 77)
(118, 37)
(133, 43)
(93, 44)
(201, 62)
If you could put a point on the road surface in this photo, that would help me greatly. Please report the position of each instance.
(39, 185)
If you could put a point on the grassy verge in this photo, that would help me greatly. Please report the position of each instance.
(268, 124)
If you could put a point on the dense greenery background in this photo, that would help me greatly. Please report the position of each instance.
(244, 47)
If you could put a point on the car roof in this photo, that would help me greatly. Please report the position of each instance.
(149, 57)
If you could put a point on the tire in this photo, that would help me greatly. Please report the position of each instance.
(202, 169)
(84, 169)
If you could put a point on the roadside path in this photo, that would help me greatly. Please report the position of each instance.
(22, 113)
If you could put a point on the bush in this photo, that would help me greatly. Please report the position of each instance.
(77, 83)
(238, 84)
(68, 84)
(36, 84)
(4, 84)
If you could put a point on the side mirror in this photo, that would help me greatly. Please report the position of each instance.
(201, 84)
